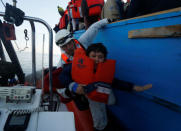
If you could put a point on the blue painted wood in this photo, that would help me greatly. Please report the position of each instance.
(139, 114)
(143, 61)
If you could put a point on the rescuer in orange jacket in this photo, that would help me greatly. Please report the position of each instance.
(63, 22)
(84, 77)
(96, 55)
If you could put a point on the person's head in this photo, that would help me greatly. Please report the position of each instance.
(64, 39)
(60, 10)
(97, 52)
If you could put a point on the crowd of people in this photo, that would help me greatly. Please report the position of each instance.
(84, 70)
(80, 14)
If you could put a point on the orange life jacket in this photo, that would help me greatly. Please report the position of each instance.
(63, 23)
(75, 9)
(83, 73)
(65, 57)
(94, 7)
(83, 69)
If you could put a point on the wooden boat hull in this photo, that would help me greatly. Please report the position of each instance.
(142, 57)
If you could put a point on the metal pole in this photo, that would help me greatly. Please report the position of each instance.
(33, 53)
(2, 56)
(43, 61)
(50, 47)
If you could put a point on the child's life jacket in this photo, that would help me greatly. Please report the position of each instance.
(83, 73)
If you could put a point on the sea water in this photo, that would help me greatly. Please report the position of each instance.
(25, 59)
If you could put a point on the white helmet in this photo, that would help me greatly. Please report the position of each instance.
(63, 37)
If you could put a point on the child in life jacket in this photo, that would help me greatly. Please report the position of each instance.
(92, 75)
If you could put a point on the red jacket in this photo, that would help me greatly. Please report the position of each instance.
(64, 20)
(83, 73)
(94, 7)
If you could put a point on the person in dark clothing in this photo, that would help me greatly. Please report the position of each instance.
(142, 7)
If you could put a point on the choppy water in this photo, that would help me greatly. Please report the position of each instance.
(25, 59)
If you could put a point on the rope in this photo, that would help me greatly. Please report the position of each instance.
(3, 4)
(26, 39)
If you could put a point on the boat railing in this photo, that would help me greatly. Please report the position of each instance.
(32, 20)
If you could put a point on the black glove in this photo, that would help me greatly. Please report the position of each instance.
(110, 20)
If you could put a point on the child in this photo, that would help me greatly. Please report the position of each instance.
(88, 76)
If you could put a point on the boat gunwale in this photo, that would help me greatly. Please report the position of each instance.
(176, 12)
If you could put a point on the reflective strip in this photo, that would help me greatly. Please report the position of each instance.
(80, 11)
(71, 13)
(71, 6)
(103, 90)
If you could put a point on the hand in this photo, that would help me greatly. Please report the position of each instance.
(110, 20)
(80, 89)
(142, 88)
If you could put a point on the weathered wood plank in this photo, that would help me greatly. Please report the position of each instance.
(157, 32)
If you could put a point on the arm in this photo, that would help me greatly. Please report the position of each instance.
(122, 85)
(128, 86)
(87, 37)
(66, 80)
(65, 76)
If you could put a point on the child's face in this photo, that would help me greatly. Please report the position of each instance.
(98, 57)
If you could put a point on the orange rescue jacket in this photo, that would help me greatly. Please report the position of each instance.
(83, 69)
(75, 9)
(94, 7)
(63, 23)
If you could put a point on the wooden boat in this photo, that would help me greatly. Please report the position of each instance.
(147, 49)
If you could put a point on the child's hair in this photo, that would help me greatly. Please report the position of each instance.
(97, 47)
